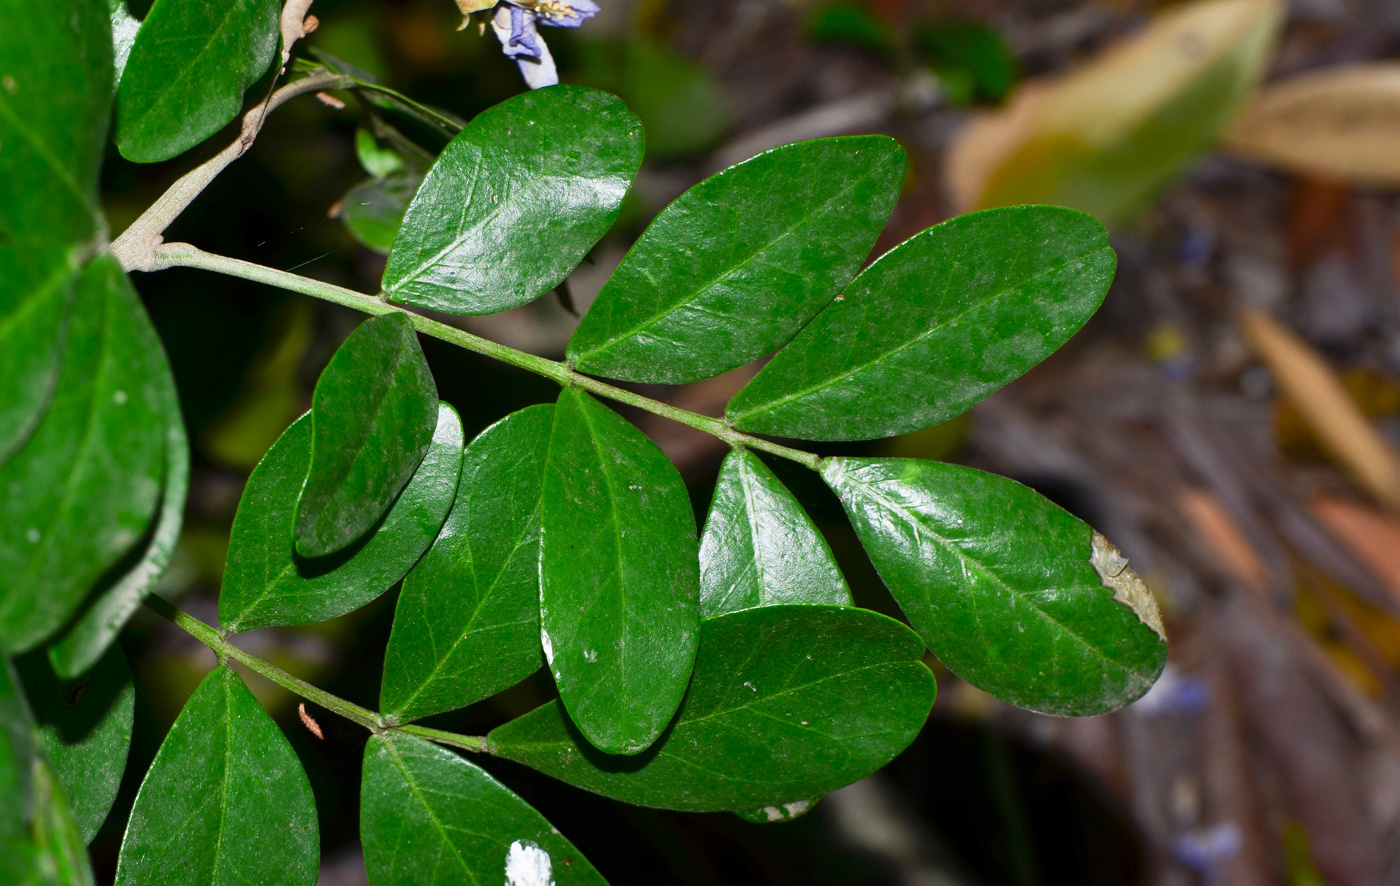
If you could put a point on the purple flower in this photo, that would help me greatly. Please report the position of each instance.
(516, 23)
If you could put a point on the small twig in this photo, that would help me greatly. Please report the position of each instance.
(134, 247)
(295, 25)
(185, 255)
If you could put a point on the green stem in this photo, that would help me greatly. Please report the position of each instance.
(184, 255)
(372, 721)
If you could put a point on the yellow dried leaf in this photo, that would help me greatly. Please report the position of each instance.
(1343, 123)
(1324, 403)
(1106, 137)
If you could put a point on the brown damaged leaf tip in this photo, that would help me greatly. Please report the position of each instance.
(309, 722)
(1127, 587)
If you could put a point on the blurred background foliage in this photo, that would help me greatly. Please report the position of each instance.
(1231, 416)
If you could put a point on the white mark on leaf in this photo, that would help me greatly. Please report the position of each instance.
(33, 535)
(1127, 588)
(528, 865)
(119, 397)
(548, 647)
(590, 656)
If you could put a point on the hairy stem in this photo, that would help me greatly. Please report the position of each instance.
(372, 721)
(183, 255)
(133, 247)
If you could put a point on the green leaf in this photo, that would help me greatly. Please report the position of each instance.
(85, 731)
(35, 303)
(267, 583)
(727, 272)
(1012, 593)
(468, 618)
(62, 854)
(760, 548)
(787, 703)
(55, 94)
(377, 161)
(934, 326)
(225, 802)
(515, 201)
(124, 28)
(428, 817)
(85, 488)
(619, 577)
(372, 418)
(373, 210)
(84, 639)
(17, 755)
(970, 58)
(188, 67)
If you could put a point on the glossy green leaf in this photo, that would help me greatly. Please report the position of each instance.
(55, 95)
(468, 618)
(225, 802)
(934, 326)
(515, 201)
(373, 210)
(372, 419)
(377, 160)
(62, 858)
(124, 28)
(760, 548)
(787, 704)
(17, 755)
(85, 731)
(85, 488)
(739, 263)
(84, 639)
(187, 70)
(619, 576)
(430, 818)
(1012, 593)
(34, 312)
(267, 583)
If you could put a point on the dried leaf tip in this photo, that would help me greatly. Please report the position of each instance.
(309, 722)
(1127, 587)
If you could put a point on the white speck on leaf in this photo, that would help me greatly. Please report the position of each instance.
(33, 536)
(119, 397)
(1127, 588)
(528, 865)
(548, 647)
(590, 656)
(750, 685)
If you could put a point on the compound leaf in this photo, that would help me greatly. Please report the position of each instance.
(739, 263)
(372, 417)
(267, 583)
(515, 201)
(85, 732)
(34, 312)
(1012, 593)
(225, 802)
(760, 548)
(55, 95)
(619, 579)
(186, 72)
(90, 633)
(428, 817)
(934, 326)
(84, 489)
(787, 703)
(468, 618)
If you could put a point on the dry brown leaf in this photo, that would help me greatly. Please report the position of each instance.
(1212, 523)
(1106, 136)
(1320, 396)
(1372, 536)
(1343, 123)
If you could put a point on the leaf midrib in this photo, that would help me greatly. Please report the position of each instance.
(931, 331)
